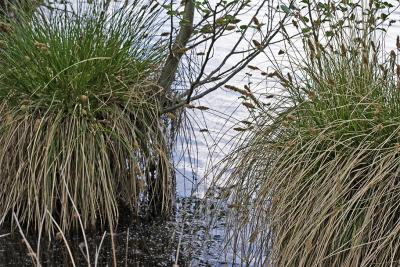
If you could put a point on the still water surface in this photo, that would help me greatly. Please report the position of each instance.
(155, 243)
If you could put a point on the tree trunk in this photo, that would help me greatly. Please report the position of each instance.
(170, 68)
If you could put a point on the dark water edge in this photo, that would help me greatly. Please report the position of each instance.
(143, 243)
(148, 245)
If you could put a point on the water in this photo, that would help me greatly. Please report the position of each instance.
(156, 243)
(138, 247)
(142, 243)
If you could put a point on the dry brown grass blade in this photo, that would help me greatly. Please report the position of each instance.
(73, 164)
(317, 182)
(31, 252)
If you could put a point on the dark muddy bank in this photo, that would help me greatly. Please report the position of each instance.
(140, 243)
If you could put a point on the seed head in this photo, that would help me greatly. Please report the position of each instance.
(318, 55)
(312, 130)
(333, 7)
(365, 59)
(230, 27)
(312, 56)
(398, 70)
(9, 119)
(291, 143)
(331, 81)
(272, 74)
(371, 2)
(141, 184)
(190, 106)
(291, 117)
(202, 108)
(257, 44)
(343, 49)
(317, 22)
(171, 116)
(236, 89)
(256, 21)
(285, 124)
(83, 98)
(392, 55)
(136, 144)
(310, 45)
(42, 47)
(295, 24)
(311, 95)
(59, 236)
(378, 128)
(239, 129)
(377, 110)
(248, 105)
(246, 122)
(5, 27)
(37, 124)
(252, 67)
(283, 80)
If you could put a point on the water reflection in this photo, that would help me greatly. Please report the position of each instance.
(155, 243)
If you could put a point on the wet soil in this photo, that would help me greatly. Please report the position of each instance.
(139, 243)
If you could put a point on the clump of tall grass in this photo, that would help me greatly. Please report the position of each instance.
(317, 183)
(80, 126)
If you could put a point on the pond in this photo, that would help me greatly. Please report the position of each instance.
(191, 239)
(137, 243)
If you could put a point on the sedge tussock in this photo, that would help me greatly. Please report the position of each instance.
(80, 113)
(317, 183)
